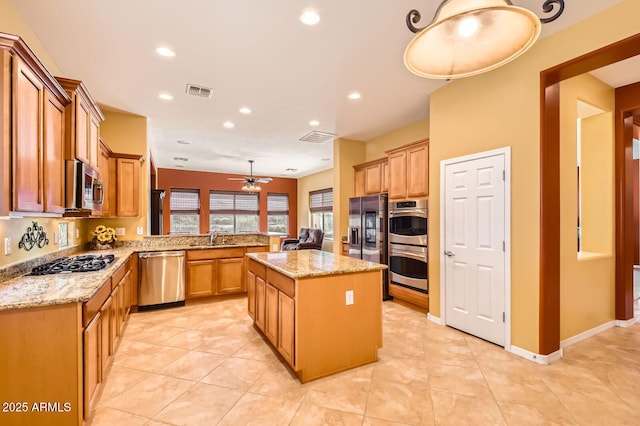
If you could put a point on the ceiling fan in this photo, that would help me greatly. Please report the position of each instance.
(251, 183)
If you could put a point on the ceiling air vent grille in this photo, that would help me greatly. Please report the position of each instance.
(180, 159)
(317, 137)
(200, 91)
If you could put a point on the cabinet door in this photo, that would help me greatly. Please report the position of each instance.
(200, 278)
(105, 345)
(286, 327)
(121, 307)
(261, 299)
(398, 175)
(358, 189)
(83, 117)
(384, 186)
(127, 187)
(53, 154)
(418, 171)
(126, 290)
(251, 294)
(113, 320)
(103, 168)
(373, 179)
(92, 143)
(271, 321)
(92, 363)
(230, 276)
(27, 148)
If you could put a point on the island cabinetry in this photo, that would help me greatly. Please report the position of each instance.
(82, 127)
(371, 177)
(216, 271)
(32, 105)
(409, 170)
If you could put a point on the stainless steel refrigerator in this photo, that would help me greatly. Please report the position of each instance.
(368, 232)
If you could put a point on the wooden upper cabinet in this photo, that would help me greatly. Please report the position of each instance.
(53, 142)
(371, 178)
(409, 170)
(82, 123)
(103, 167)
(127, 187)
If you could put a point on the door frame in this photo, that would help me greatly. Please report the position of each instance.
(506, 151)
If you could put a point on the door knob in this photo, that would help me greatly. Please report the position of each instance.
(449, 253)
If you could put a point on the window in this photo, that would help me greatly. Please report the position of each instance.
(321, 208)
(278, 213)
(233, 212)
(185, 211)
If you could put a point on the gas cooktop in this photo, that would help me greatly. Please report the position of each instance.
(85, 263)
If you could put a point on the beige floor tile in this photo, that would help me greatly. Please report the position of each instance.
(400, 403)
(150, 396)
(525, 415)
(237, 373)
(105, 416)
(278, 381)
(254, 409)
(120, 379)
(312, 415)
(458, 354)
(202, 404)
(157, 423)
(151, 359)
(343, 392)
(455, 409)
(186, 339)
(460, 380)
(411, 370)
(518, 389)
(372, 421)
(153, 333)
(257, 350)
(193, 365)
(222, 344)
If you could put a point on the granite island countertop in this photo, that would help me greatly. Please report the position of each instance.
(313, 263)
(28, 291)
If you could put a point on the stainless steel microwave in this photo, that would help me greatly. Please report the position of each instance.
(84, 190)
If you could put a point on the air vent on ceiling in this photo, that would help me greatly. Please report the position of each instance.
(317, 137)
(203, 92)
(180, 158)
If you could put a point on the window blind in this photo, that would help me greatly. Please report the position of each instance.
(321, 200)
(277, 203)
(186, 201)
(223, 202)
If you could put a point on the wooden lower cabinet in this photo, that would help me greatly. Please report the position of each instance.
(91, 360)
(200, 278)
(106, 349)
(230, 272)
(113, 320)
(286, 327)
(215, 271)
(251, 294)
(261, 303)
(272, 318)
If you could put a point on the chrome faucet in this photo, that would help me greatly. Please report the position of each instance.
(212, 237)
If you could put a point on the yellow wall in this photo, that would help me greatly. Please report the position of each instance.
(375, 148)
(314, 182)
(502, 108)
(126, 133)
(587, 280)
(12, 22)
(346, 154)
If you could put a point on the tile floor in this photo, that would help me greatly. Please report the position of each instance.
(205, 365)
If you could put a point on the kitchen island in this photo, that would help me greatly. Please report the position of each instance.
(321, 312)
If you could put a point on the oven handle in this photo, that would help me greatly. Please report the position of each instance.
(411, 255)
(414, 213)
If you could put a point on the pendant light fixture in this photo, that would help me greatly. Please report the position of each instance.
(469, 37)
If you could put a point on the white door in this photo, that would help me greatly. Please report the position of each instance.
(474, 246)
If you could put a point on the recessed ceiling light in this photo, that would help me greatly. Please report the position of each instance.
(354, 96)
(228, 125)
(310, 17)
(245, 110)
(179, 166)
(314, 123)
(165, 96)
(181, 142)
(325, 159)
(165, 51)
(290, 170)
(180, 159)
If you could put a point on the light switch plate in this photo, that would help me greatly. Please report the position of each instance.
(7, 245)
(349, 297)
(56, 237)
(139, 230)
(119, 232)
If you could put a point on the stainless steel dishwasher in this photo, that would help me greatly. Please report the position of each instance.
(162, 279)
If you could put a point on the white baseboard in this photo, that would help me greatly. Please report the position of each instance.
(627, 323)
(435, 319)
(586, 334)
(537, 358)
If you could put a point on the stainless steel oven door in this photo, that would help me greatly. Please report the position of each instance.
(408, 226)
(408, 266)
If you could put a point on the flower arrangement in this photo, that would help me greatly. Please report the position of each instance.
(104, 237)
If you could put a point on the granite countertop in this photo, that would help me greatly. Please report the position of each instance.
(31, 291)
(313, 263)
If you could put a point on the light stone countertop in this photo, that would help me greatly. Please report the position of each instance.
(313, 263)
(31, 291)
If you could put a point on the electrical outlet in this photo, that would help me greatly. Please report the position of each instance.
(7, 245)
(349, 297)
(119, 232)
(77, 233)
(139, 230)
(274, 247)
(56, 237)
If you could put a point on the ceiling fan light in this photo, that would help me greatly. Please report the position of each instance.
(469, 37)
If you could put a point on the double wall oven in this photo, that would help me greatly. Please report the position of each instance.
(408, 226)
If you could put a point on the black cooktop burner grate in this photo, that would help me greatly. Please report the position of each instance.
(84, 263)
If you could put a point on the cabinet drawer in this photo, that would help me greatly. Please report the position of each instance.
(258, 268)
(93, 305)
(257, 249)
(218, 253)
(118, 275)
(282, 282)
